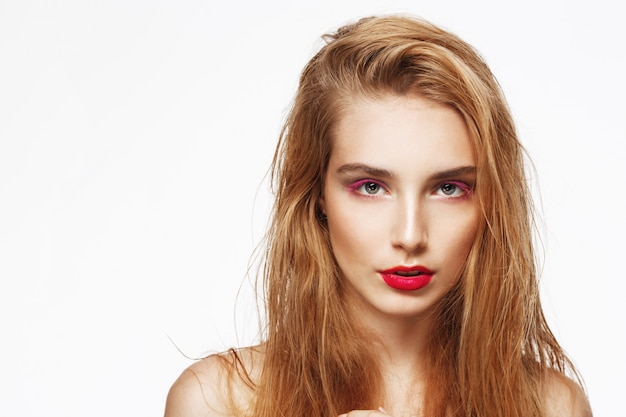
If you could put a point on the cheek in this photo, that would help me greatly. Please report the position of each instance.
(345, 231)
(466, 233)
(352, 232)
(462, 227)
(343, 243)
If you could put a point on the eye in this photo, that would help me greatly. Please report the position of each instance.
(370, 188)
(453, 189)
(449, 189)
(367, 188)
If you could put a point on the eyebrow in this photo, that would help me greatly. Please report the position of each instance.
(455, 172)
(386, 174)
(366, 169)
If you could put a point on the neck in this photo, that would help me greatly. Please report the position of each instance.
(400, 347)
(404, 345)
(402, 359)
(400, 342)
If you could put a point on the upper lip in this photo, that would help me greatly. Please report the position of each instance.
(408, 270)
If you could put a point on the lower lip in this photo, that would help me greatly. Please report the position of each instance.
(398, 282)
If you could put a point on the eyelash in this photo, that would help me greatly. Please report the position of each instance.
(355, 186)
(462, 186)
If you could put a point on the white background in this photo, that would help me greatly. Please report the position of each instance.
(134, 140)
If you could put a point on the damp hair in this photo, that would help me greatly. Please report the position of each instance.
(491, 348)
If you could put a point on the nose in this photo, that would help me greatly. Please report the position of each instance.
(409, 228)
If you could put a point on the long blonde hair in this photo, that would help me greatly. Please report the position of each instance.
(491, 346)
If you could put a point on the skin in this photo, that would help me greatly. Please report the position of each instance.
(405, 211)
(398, 192)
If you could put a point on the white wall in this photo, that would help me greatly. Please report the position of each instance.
(134, 139)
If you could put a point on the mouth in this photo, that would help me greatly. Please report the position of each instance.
(407, 278)
(409, 273)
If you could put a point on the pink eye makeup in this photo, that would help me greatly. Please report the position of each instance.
(367, 188)
(454, 189)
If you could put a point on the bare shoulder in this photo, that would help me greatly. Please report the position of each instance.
(220, 385)
(564, 397)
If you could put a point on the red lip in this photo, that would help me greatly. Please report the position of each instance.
(407, 278)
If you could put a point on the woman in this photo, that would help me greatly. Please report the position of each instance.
(399, 275)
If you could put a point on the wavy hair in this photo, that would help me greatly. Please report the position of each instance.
(491, 348)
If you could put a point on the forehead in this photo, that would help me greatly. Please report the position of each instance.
(401, 130)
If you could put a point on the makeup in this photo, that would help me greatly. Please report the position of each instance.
(367, 188)
(454, 189)
(407, 278)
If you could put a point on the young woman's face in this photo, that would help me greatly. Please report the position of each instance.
(398, 196)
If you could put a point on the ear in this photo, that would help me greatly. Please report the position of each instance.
(322, 205)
